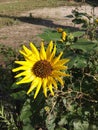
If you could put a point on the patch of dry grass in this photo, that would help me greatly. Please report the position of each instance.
(15, 8)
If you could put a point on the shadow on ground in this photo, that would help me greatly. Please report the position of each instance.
(38, 21)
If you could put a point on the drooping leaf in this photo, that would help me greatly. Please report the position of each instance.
(84, 45)
(26, 111)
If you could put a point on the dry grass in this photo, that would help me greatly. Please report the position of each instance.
(16, 7)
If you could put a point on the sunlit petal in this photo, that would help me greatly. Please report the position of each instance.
(20, 68)
(60, 80)
(49, 49)
(24, 63)
(24, 73)
(51, 90)
(34, 50)
(27, 51)
(59, 67)
(59, 73)
(42, 52)
(45, 86)
(57, 59)
(33, 85)
(38, 88)
(26, 80)
(52, 81)
(52, 54)
(63, 61)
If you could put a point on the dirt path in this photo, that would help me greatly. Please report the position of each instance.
(30, 27)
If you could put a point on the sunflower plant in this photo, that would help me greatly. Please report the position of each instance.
(75, 106)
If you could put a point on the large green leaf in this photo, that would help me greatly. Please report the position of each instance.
(26, 111)
(77, 61)
(84, 45)
(49, 35)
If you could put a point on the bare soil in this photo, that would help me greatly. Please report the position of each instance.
(35, 21)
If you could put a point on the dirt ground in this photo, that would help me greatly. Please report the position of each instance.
(40, 19)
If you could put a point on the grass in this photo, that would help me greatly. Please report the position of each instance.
(25, 5)
(16, 7)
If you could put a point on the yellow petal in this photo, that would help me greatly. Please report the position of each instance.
(52, 81)
(26, 80)
(60, 80)
(38, 88)
(28, 72)
(63, 61)
(33, 85)
(45, 86)
(42, 52)
(50, 88)
(59, 67)
(52, 54)
(59, 73)
(27, 51)
(57, 59)
(34, 50)
(29, 56)
(26, 56)
(49, 49)
(23, 53)
(26, 63)
(20, 68)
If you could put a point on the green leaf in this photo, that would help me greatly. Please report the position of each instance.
(19, 95)
(28, 127)
(84, 45)
(63, 121)
(14, 86)
(80, 126)
(69, 16)
(50, 122)
(26, 110)
(78, 21)
(78, 33)
(78, 62)
(49, 35)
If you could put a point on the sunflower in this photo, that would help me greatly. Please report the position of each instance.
(41, 68)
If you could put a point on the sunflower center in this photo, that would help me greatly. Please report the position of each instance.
(42, 68)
